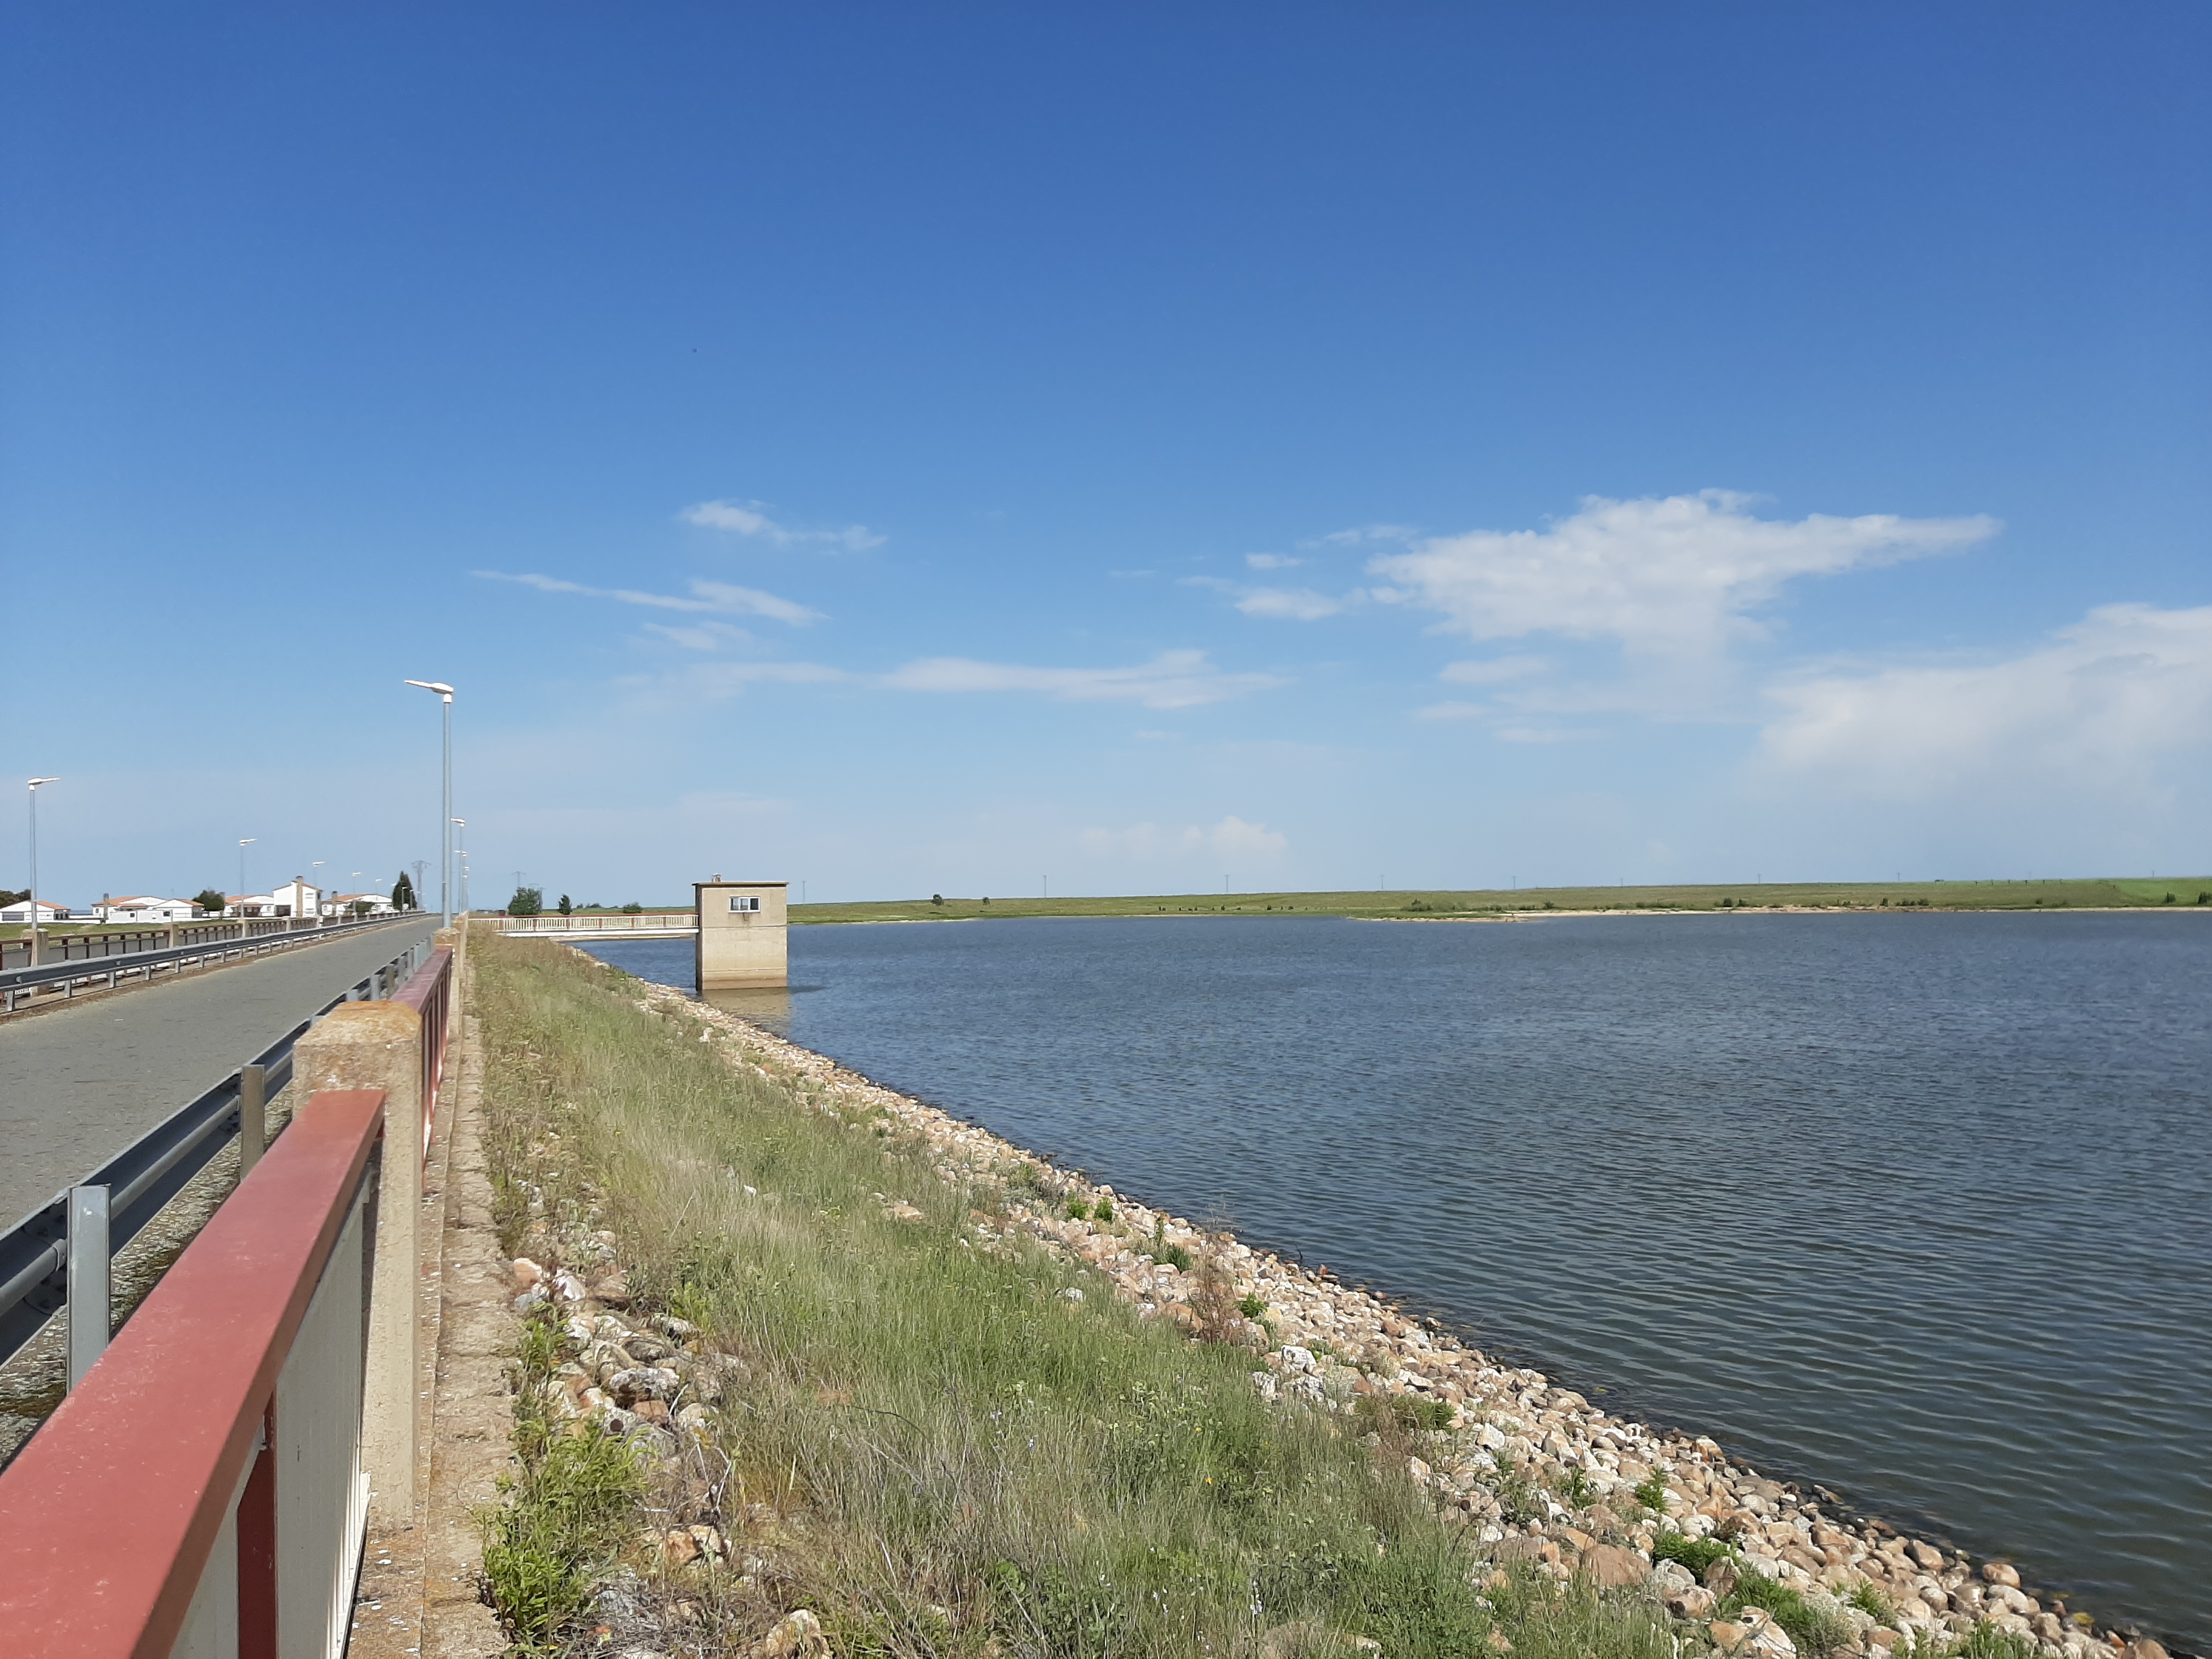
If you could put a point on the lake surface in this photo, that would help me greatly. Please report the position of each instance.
(1913, 1206)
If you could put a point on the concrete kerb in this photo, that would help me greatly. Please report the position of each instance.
(378, 1045)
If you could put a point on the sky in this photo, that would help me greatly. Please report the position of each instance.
(1138, 448)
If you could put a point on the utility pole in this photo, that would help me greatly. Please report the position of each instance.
(31, 914)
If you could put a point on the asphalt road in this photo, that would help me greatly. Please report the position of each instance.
(78, 1084)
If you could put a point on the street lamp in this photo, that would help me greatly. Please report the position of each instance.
(446, 841)
(31, 913)
(317, 882)
(461, 854)
(242, 845)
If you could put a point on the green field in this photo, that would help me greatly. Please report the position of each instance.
(2122, 892)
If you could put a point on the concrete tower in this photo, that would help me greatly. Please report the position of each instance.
(741, 931)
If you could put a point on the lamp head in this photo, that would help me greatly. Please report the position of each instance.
(443, 690)
(35, 782)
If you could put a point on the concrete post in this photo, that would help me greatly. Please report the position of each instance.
(378, 1045)
(253, 1116)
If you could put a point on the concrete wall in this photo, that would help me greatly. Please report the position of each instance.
(744, 946)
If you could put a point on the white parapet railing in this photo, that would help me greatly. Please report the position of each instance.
(649, 922)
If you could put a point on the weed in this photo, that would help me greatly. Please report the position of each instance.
(1869, 1600)
(1077, 1210)
(1252, 1307)
(1652, 1491)
(1988, 1641)
(1815, 1630)
(1696, 1553)
(567, 1509)
(1102, 1210)
(1574, 1490)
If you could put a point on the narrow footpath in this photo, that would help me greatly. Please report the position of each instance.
(78, 1084)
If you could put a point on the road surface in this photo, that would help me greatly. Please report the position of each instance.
(78, 1084)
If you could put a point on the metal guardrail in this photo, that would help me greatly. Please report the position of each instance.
(122, 939)
(21, 986)
(153, 1170)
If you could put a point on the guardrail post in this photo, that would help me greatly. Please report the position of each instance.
(90, 1309)
(378, 1045)
(253, 1116)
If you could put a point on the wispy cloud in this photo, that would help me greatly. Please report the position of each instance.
(706, 596)
(1272, 562)
(701, 636)
(2108, 707)
(727, 679)
(1232, 838)
(1364, 533)
(1673, 578)
(749, 518)
(1173, 679)
(1493, 670)
(1280, 604)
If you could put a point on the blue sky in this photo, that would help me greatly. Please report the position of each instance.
(911, 449)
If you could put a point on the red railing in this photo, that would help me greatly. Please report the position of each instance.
(429, 993)
(143, 1518)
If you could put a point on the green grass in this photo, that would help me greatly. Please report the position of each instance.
(932, 1448)
(2057, 893)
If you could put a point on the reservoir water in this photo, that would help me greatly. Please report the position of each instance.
(1915, 1206)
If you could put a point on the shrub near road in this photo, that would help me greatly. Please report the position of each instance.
(867, 1420)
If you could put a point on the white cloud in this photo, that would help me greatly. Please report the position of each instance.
(2105, 709)
(746, 519)
(1494, 671)
(706, 596)
(1272, 562)
(1174, 679)
(1454, 711)
(1231, 838)
(701, 636)
(1671, 578)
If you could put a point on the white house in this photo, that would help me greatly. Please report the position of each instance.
(152, 912)
(373, 904)
(293, 898)
(49, 912)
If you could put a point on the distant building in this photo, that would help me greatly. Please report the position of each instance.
(370, 905)
(49, 912)
(152, 912)
(294, 898)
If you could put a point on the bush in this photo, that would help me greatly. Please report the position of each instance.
(1102, 1210)
(1652, 1491)
(527, 901)
(1077, 1210)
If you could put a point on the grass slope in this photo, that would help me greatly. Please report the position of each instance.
(934, 1447)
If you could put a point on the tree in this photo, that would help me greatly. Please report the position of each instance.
(526, 902)
(403, 893)
(211, 900)
(13, 895)
(567, 908)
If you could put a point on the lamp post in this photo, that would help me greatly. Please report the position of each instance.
(318, 882)
(31, 911)
(246, 842)
(461, 857)
(446, 842)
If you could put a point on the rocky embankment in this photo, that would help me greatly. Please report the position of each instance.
(1542, 1475)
